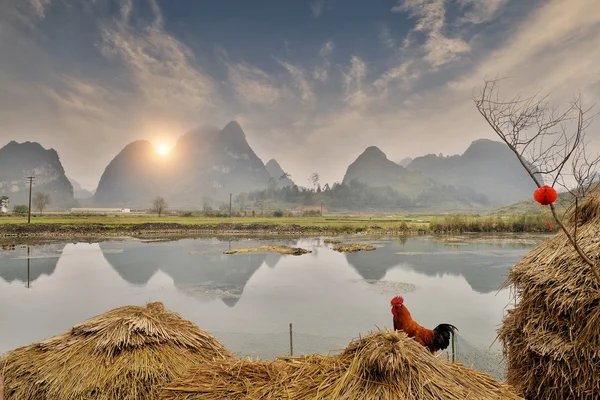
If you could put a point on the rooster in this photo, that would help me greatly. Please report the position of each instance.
(434, 340)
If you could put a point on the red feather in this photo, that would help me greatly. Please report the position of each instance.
(545, 195)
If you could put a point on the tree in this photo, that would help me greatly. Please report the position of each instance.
(4, 201)
(41, 201)
(551, 146)
(159, 205)
(314, 179)
(21, 209)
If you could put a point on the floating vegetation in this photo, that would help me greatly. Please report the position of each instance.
(332, 241)
(295, 251)
(354, 247)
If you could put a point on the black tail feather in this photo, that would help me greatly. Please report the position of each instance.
(441, 335)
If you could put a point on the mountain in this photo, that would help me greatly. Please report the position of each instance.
(373, 168)
(405, 161)
(275, 171)
(405, 188)
(204, 163)
(487, 167)
(79, 191)
(132, 178)
(20, 160)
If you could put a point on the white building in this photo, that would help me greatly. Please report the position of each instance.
(99, 210)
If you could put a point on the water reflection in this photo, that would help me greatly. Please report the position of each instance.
(27, 264)
(197, 267)
(483, 265)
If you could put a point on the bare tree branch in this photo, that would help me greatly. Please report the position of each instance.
(547, 142)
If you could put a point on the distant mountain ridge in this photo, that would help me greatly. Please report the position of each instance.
(79, 192)
(487, 167)
(375, 170)
(20, 160)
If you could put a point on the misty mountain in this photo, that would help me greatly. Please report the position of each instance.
(79, 192)
(487, 167)
(132, 178)
(405, 161)
(275, 171)
(374, 169)
(20, 160)
(204, 163)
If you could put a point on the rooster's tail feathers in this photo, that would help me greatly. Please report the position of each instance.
(441, 335)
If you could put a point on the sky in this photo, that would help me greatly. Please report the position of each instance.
(312, 83)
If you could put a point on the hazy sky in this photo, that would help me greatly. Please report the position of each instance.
(312, 83)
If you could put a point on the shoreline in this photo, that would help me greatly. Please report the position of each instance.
(11, 233)
(175, 230)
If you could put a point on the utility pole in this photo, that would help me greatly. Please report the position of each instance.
(321, 209)
(30, 179)
(229, 205)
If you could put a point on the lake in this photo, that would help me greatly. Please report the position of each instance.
(248, 300)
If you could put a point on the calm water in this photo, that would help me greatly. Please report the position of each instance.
(248, 300)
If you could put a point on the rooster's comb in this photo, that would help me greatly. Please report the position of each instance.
(398, 300)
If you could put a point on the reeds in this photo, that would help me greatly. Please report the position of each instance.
(515, 224)
(127, 353)
(551, 338)
(382, 366)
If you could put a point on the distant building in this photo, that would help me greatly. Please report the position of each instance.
(100, 210)
(3, 209)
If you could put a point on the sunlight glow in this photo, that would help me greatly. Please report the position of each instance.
(162, 150)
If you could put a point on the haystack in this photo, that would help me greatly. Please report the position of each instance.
(382, 366)
(552, 337)
(126, 353)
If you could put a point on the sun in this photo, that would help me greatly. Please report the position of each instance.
(162, 150)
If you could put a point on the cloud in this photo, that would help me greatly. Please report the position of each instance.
(27, 12)
(385, 35)
(321, 72)
(438, 48)
(326, 49)
(253, 85)
(163, 69)
(88, 101)
(300, 82)
(316, 8)
(482, 10)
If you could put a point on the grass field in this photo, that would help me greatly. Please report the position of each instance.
(346, 223)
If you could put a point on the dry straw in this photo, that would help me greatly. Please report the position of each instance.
(552, 337)
(382, 366)
(127, 353)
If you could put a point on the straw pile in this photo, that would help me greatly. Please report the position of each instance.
(382, 366)
(127, 353)
(552, 337)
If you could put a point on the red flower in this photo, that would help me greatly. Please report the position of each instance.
(545, 195)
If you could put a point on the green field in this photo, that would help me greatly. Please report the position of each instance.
(340, 223)
(331, 221)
